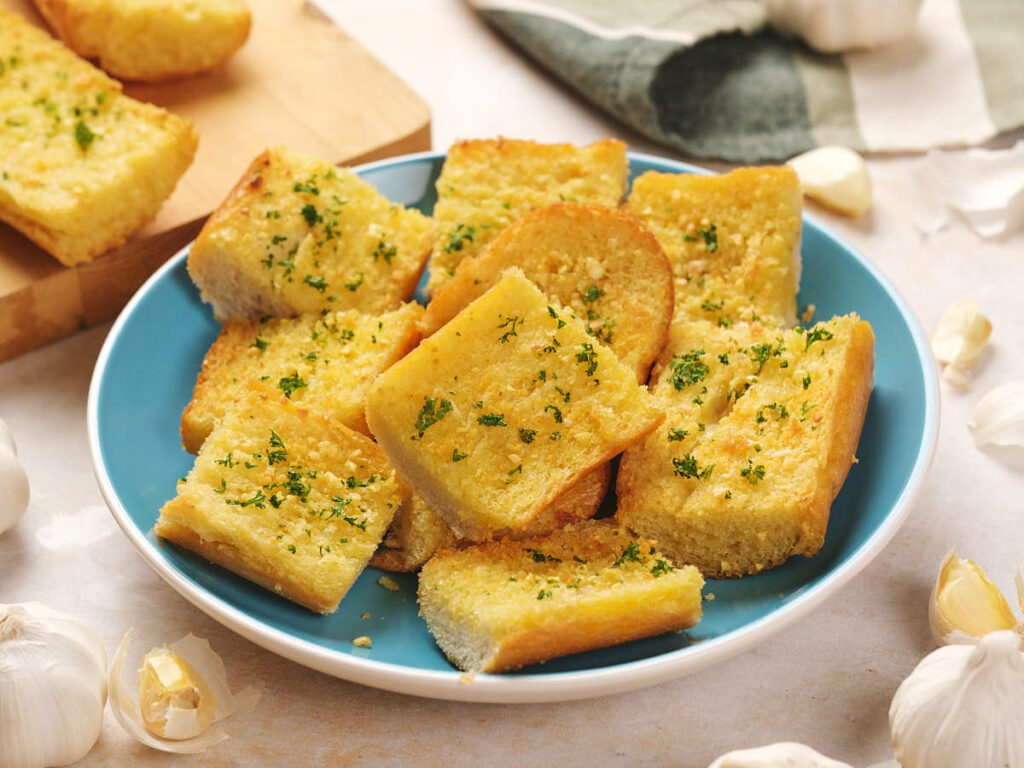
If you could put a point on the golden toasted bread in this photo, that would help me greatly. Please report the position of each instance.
(416, 533)
(486, 184)
(499, 412)
(298, 235)
(81, 165)
(733, 241)
(323, 362)
(150, 40)
(499, 606)
(598, 261)
(757, 443)
(285, 498)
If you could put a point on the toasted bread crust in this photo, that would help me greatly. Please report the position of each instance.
(498, 606)
(297, 235)
(598, 261)
(150, 42)
(108, 167)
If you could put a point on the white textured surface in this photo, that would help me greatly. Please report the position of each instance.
(826, 682)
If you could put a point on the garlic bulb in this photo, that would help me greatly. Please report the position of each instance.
(999, 418)
(836, 177)
(53, 686)
(786, 754)
(183, 691)
(961, 707)
(959, 340)
(13, 481)
(965, 605)
(831, 26)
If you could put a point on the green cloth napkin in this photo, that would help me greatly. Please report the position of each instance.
(710, 78)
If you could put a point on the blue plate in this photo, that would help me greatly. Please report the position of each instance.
(148, 366)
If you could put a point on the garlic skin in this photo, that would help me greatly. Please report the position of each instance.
(14, 491)
(836, 177)
(959, 339)
(183, 693)
(965, 605)
(999, 418)
(961, 707)
(53, 687)
(785, 754)
(831, 26)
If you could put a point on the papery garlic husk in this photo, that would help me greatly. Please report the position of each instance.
(961, 707)
(785, 754)
(181, 703)
(14, 491)
(999, 417)
(837, 177)
(53, 687)
(965, 605)
(959, 339)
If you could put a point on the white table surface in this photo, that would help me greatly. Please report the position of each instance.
(826, 681)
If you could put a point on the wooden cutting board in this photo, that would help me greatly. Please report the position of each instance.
(299, 81)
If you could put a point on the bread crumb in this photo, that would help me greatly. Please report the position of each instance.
(467, 678)
(388, 583)
(709, 596)
(808, 313)
(365, 616)
(363, 641)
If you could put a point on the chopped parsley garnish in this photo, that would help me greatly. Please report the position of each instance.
(307, 186)
(807, 381)
(84, 135)
(566, 396)
(661, 567)
(527, 435)
(561, 322)
(355, 283)
(630, 554)
(278, 239)
(554, 412)
(761, 353)
(288, 384)
(555, 436)
(291, 548)
(456, 240)
(753, 474)
(676, 434)
(227, 461)
(708, 234)
(511, 324)
(592, 294)
(273, 214)
(256, 501)
(818, 334)
(311, 215)
(458, 455)
(780, 411)
(316, 281)
(433, 411)
(518, 470)
(687, 369)
(687, 467)
(724, 358)
(712, 306)
(540, 557)
(492, 420)
(278, 453)
(588, 356)
(384, 251)
(543, 593)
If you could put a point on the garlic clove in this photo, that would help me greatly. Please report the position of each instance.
(836, 177)
(175, 702)
(965, 604)
(786, 754)
(999, 418)
(959, 339)
(961, 707)
(183, 693)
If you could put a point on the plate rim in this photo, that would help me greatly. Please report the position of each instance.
(534, 688)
